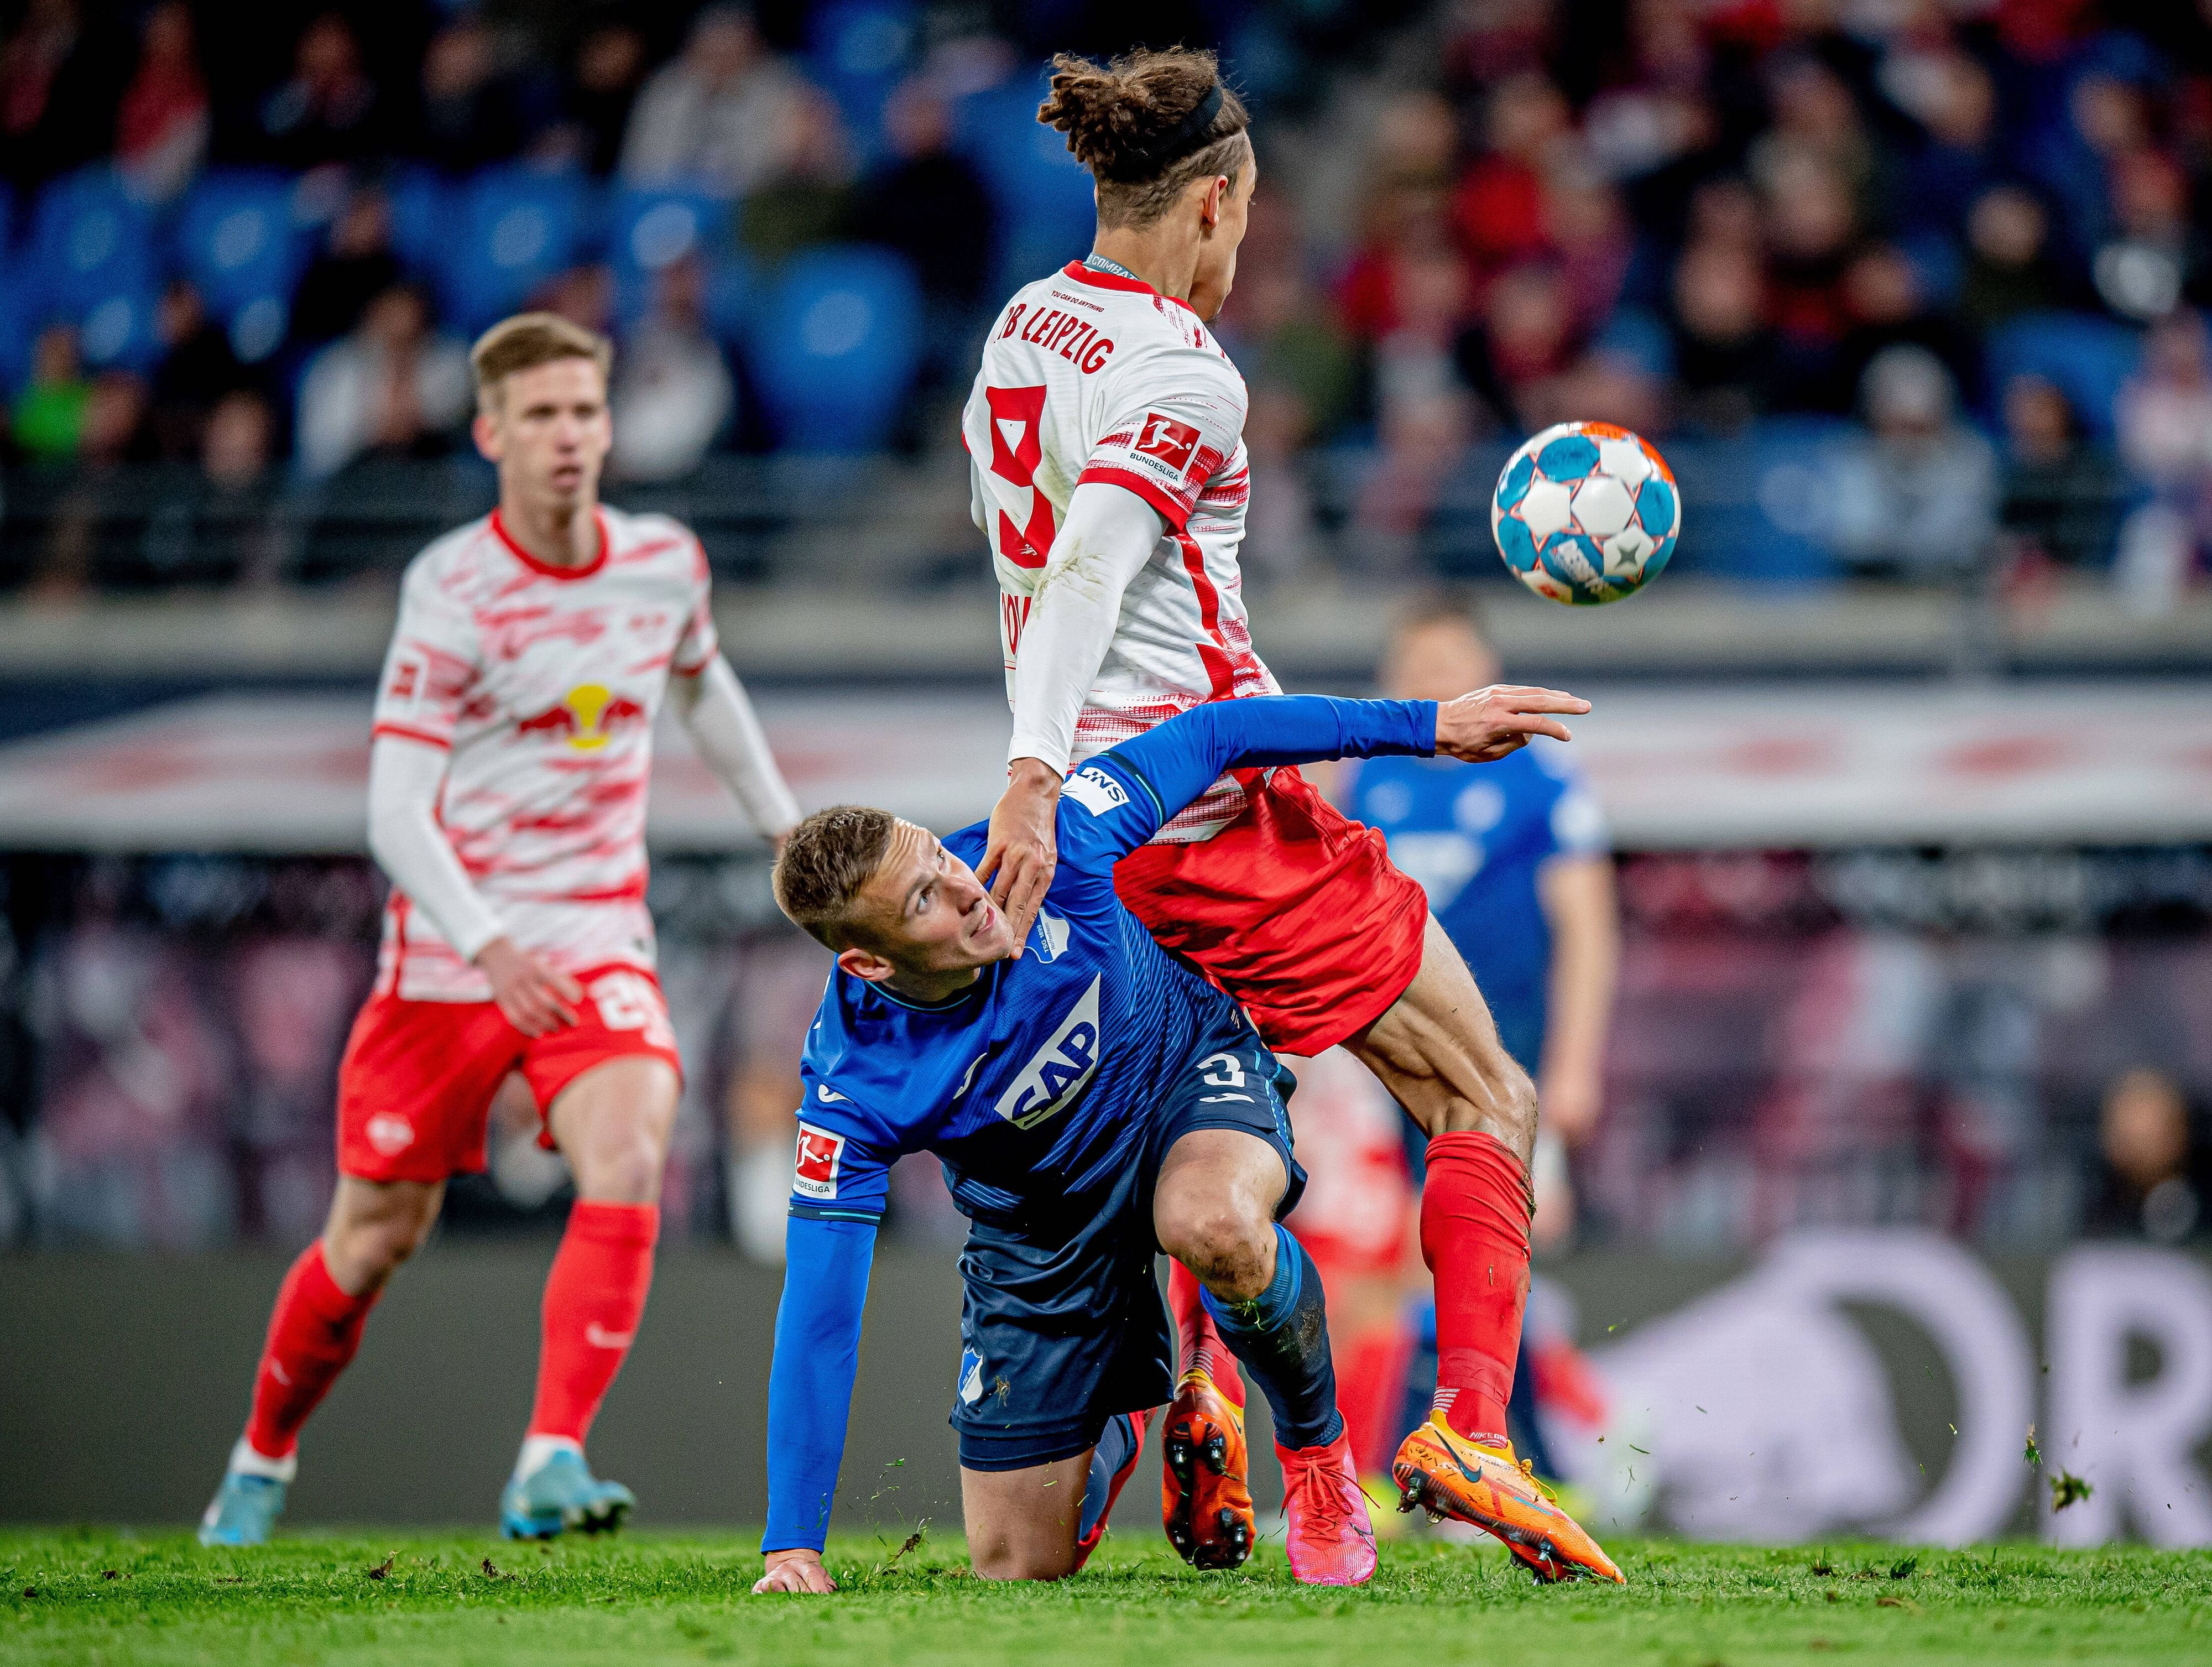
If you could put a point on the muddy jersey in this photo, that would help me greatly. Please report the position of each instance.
(1093, 375)
(543, 682)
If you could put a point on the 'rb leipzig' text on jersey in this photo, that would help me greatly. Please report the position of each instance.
(1091, 375)
(544, 683)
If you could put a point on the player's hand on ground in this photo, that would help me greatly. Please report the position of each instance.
(795, 1571)
(1022, 850)
(535, 997)
(1483, 727)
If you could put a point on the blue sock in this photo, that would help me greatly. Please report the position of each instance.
(1281, 1336)
(1117, 1445)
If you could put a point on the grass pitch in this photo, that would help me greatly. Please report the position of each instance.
(102, 1596)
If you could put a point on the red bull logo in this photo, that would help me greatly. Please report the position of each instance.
(587, 717)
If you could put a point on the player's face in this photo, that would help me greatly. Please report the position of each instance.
(1439, 661)
(925, 913)
(549, 431)
(1217, 252)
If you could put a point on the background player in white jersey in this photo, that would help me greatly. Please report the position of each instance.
(506, 797)
(1104, 435)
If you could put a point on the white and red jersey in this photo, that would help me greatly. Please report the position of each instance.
(543, 682)
(1092, 375)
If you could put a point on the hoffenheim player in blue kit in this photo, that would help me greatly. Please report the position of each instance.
(1094, 1102)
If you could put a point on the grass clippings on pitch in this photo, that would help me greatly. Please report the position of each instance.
(101, 1596)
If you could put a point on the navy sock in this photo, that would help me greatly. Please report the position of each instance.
(1117, 1445)
(1281, 1336)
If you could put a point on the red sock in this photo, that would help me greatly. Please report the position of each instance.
(314, 1331)
(1370, 1390)
(1197, 1343)
(594, 1297)
(1474, 1237)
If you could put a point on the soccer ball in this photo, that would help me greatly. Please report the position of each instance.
(1586, 513)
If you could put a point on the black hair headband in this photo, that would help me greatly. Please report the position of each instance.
(1187, 135)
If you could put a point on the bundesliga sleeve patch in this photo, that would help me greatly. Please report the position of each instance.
(1095, 790)
(1172, 441)
(819, 1154)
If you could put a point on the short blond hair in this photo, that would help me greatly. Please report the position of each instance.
(828, 859)
(530, 339)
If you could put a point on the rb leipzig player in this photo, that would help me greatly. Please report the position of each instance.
(506, 797)
(1108, 468)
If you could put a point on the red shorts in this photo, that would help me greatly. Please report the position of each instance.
(1294, 908)
(415, 1085)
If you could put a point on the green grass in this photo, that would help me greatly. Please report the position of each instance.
(99, 1595)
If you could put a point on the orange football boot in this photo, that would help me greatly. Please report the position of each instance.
(1448, 1475)
(1205, 1504)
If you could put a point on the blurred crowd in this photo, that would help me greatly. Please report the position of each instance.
(1916, 281)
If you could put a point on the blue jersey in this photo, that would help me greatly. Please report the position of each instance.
(1476, 838)
(1036, 1084)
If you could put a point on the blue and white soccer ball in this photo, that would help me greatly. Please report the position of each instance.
(1586, 513)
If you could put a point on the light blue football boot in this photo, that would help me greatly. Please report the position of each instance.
(562, 1493)
(245, 1509)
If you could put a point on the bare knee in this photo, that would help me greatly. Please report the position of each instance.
(364, 1247)
(1229, 1243)
(623, 1168)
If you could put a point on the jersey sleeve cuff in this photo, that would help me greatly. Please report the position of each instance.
(837, 1213)
(1175, 513)
(1029, 746)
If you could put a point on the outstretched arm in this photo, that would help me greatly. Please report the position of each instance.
(809, 1393)
(714, 707)
(1106, 537)
(1153, 776)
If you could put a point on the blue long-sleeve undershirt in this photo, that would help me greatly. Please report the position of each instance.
(810, 1388)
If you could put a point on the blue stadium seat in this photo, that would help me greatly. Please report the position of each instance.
(512, 229)
(92, 261)
(834, 345)
(421, 221)
(649, 229)
(1755, 507)
(1041, 196)
(2087, 358)
(19, 312)
(858, 51)
(238, 241)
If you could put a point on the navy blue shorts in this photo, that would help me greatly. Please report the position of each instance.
(1056, 1337)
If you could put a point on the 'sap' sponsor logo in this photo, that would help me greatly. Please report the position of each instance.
(1170, 441)
(1058, 1071)
(820, 1151)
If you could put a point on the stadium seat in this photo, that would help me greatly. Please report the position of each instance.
(857, 51)
(511, 229)
(421, 221)
(834, 344)
(2087, 358)
(649, 229)
(92, 261)
(238, 241)
(1041, 196)
(1761, 502)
